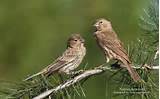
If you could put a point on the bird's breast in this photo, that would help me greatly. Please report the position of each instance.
(80, 53)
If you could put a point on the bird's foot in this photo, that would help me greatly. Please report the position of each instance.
(115, 65)
(75, 73)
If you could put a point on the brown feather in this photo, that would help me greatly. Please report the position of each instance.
(112, 46)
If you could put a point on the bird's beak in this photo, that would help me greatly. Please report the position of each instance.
(96, 25)
(82, 40)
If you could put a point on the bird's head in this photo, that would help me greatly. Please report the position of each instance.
(75, 40)
(103, 25)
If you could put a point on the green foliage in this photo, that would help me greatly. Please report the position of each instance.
(30, 89)
(149, 22)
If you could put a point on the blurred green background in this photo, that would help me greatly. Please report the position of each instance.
(34, 32)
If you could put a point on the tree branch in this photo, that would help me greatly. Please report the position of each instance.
(156, 54)
(80, 77)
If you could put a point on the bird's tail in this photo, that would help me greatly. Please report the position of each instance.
(135, 76)
(34, 75)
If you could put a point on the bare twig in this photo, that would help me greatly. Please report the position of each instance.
(70, 82)
(146, 66)
(157, 53)
(80, 77)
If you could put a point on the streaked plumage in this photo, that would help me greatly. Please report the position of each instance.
(69, 60)
(111, 45)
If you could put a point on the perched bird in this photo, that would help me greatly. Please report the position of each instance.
(69, 60)
(112, 47)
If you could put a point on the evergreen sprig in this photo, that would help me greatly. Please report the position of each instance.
(149, 22)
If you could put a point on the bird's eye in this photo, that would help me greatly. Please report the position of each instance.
(75, 40)
(101, 22)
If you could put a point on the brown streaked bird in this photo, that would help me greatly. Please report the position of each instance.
(69, 60)
(112, 47)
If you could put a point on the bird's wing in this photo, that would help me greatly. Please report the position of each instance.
(67, 57)
(117, 47)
